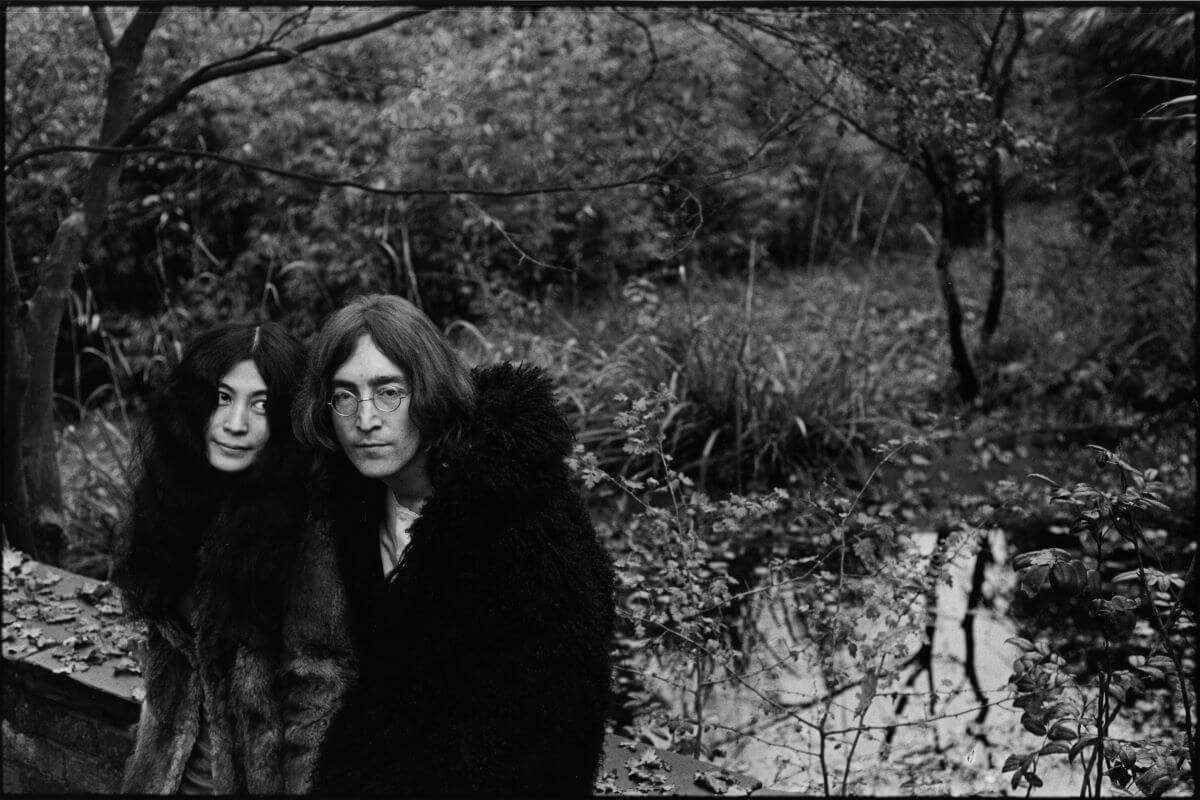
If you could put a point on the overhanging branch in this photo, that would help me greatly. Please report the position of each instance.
(240, 65)
(647, 179)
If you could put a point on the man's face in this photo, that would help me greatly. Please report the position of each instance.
(237, 431)
(380, 444)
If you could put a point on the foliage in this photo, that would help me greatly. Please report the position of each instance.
(1148, 659)
(808, 384)
(696, 577)
(920, 85)
(1134, 175)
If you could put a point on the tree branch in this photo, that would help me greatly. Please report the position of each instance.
(104, 31)
(649, 76)
(648, 179)
(819, 101)
(985, 68)
(239, 66)
(1004, 78)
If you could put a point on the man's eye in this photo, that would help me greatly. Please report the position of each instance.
(390, 392)
(341, 396)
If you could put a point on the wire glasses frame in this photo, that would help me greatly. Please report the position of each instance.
(385, 400)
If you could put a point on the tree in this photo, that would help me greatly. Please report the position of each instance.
(905, 80)
(33, 496)
(341, 123)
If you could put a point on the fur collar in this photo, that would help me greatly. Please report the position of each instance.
(512, 445)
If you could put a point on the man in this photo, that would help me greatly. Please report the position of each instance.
(451, 618)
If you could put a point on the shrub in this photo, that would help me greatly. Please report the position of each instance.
(1146, 622)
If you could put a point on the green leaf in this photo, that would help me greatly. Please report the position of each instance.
(1034, 726)
(869, 684)
(1079, 745)
(1029, 701)
(1020, 643)
(1168, 78)
(1054, 747)
(1063, 731)
(1012, 762)
(1156, 780)
(1034, 579)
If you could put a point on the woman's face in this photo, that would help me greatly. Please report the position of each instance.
(237, 430)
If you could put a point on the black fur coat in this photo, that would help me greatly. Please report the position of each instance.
(482, 666)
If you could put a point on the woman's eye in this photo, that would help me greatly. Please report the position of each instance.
(224, 398)
(259, 406)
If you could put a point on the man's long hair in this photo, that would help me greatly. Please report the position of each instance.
(442, 400)
(191, 522)
(442, 393)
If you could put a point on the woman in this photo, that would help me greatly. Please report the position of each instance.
(218, 509)
(450, 623)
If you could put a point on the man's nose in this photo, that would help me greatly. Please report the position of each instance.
(367, 417)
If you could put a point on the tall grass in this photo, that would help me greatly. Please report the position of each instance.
(774, 377)
(121, 358)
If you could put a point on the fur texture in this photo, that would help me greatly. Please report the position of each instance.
(229, 664)
(206, 562)
(482, 665)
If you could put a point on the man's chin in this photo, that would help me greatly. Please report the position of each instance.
(373, 469)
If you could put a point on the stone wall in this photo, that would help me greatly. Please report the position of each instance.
(61, 735)
(71, 697)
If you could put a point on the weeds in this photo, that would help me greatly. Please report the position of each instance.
(765, 391)
(1145, 670)
(733, 602)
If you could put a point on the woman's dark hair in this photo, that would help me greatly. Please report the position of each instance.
(186, 514)
(442, 392)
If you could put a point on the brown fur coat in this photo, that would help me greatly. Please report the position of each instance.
(222, 654)
(245, 726)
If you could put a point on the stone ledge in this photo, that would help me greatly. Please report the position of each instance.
(67, 731)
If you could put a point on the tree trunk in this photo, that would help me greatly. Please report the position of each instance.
(38, 471)
(18, 527)
(995, 179)
(968, 220)
(40, 446)
(968, 383)
(991, 317)
(938, 170)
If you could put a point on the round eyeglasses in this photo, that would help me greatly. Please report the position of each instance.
(386, 399)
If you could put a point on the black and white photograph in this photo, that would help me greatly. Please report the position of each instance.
(557, 400)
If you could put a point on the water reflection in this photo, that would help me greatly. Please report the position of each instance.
(931, 731)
